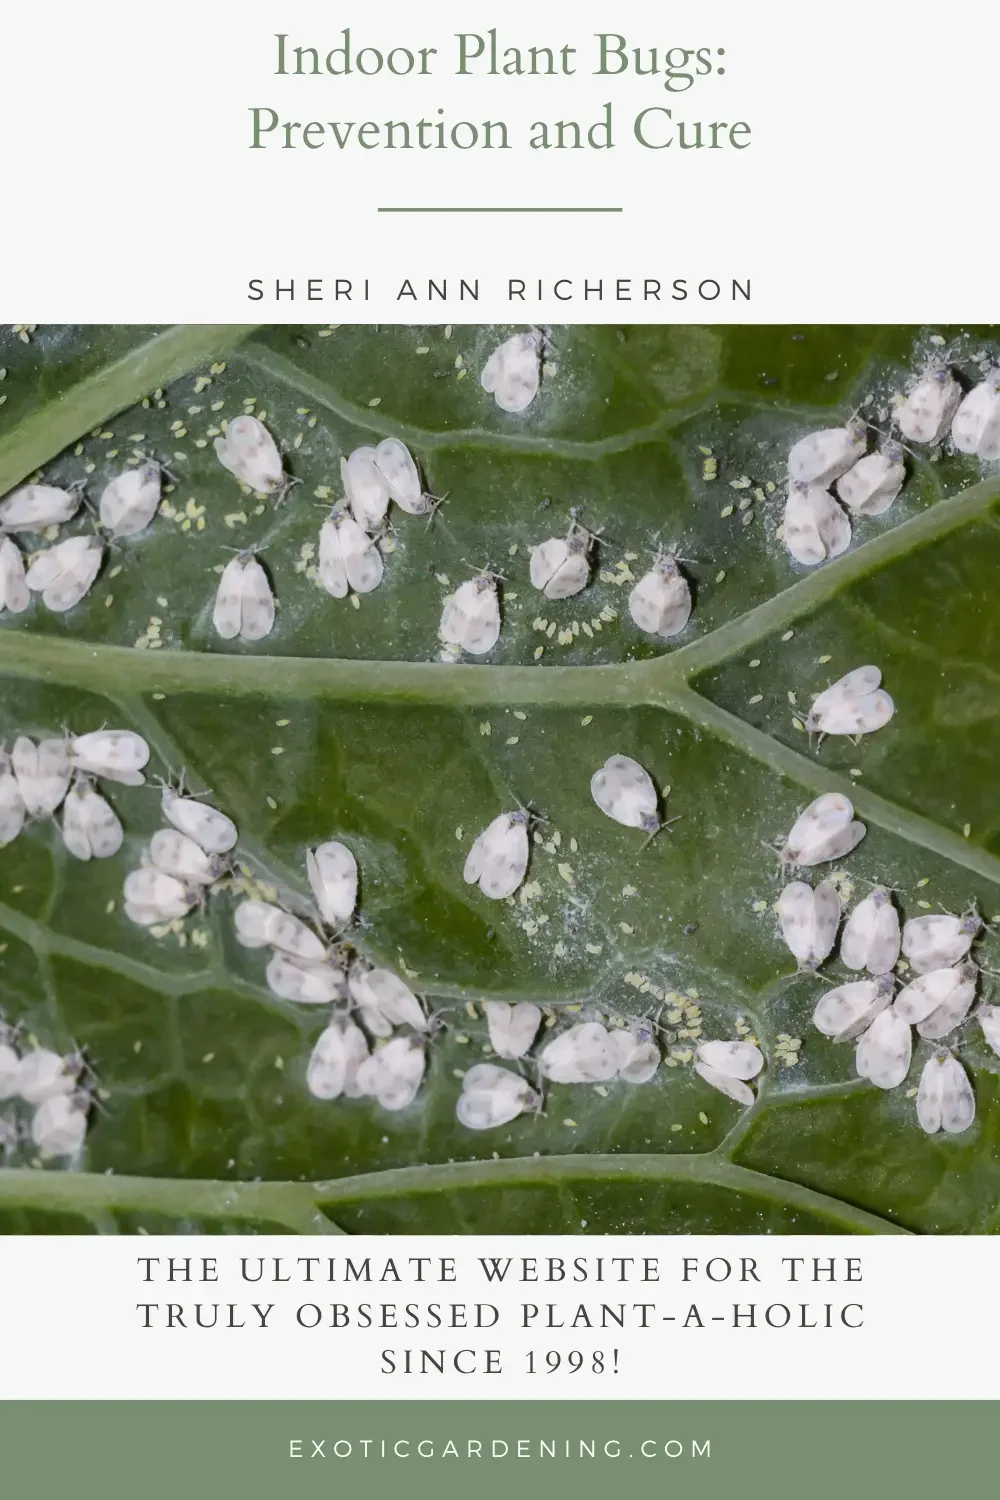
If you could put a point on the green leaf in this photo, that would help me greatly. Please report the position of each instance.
(345, 723)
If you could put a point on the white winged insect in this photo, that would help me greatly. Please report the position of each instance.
(945, 1100)
(823, 456)
(10, 1064)
(847, 1011)
(14, 592)
(333, 876)
(583, 1054)
(939, 940)
(660, 603)
(637, 1050)
(384, 1000)
(365, 488)
(927, 412)
(244, 602)
(393, 1073)
(348, 556)
(470, 617)
(211, 829)
(493, 1096)
(36, 507)
(114, 754)
(976, 425)
(871, 934)
(333, 1064)
(43, 774)
(873, 484)
(129, 502)
(498, 860)
(44, 1074)
(512, 1028)
(560, 567)
(727, 1066)
(955, 1006)
(988, 1017)
(251, 455)
(826, 830)
(176, 854)
(305, 982)
(63, 574)
(935, 989)
(513, 372)
(809, 920)
(624, 791)
(91, 828)
(259, 924)
(883, 1052)
(398, 468)
(815, 526)
(12, 808)
(853, 705)
(59, 1126)
(152, 897)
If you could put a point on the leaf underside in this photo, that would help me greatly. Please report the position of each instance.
(344, 723)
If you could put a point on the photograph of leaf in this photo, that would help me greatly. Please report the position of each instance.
(470, 779)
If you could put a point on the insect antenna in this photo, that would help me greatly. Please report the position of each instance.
(666, 824)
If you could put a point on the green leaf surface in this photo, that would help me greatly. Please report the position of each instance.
(344, 723)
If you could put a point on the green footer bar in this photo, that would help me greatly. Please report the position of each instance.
(700, 1449)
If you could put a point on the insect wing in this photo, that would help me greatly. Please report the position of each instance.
(395, 1000)
(333, 876)
(130, 502)
(844, 1012)
(12, 808)
(512, 1028)
(502, 858)
(36, 507)
(624, 791)
(401, 475)
(823, 456)
(305, 983)
(362, 559)
(884, 1050)
(366, 488)
(546, 559)
(14, 592)
(512, 373)
(256, 602)
(926, 414)
(733, 1087)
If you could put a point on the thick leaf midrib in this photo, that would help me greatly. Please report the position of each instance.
(308, 1207)
(168, 355)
